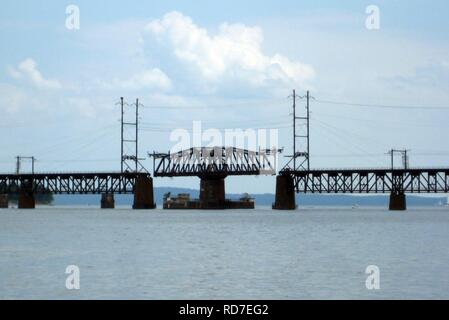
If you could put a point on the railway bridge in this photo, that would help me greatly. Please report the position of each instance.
(26, 186)
(297, 175)
(396, 182)
(212, 165)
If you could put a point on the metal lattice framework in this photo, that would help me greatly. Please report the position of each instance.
(214, 161)
(371, 180)
(69, 183)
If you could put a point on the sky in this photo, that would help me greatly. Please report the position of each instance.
(229, 65)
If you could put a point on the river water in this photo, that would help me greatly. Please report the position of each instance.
(312, 253)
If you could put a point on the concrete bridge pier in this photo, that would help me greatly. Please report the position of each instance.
(212, 192)
(26, 200)
(285, 193)
(143, 193)
(397, 201)
(4, 201)
(107, 201)
(26, 195)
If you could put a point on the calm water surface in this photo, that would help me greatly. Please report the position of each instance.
(311, 253)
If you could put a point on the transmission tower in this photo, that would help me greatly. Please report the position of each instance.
(130, 161)
(301, 134)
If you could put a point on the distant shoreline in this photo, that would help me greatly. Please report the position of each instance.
(266, 199)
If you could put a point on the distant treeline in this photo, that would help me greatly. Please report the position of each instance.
(261, 199)
(42, 196)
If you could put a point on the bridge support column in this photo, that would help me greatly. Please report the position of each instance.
(4, 201)
(397, 201)
(212, 193)
(26, 195)
(107, 201)
(285, 193)
(143, 193)
(26, 200)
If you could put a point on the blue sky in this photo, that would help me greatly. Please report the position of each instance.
(238, 62)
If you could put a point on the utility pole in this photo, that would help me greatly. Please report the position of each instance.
(304, 153)
(130, 158)
(404, 155)
(405, 159)
(19, 163)
(308, 132)
(392, 158)
(137, 133)
(294, 129)
(121, 151)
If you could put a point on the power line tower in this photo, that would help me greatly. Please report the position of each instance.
(301, 134)
(19, 163)
(404, 155)
(129, 159)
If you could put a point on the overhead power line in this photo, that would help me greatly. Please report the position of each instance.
(258, 103)
(368, 105)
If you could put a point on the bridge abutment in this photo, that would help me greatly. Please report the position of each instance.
(4, 201)
(143, 193)
(397, 201)
(285, 193)
(107, 201)
(212, 193)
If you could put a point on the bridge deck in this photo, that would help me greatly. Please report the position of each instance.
(70, 183)
(413, 180)
(210, 171)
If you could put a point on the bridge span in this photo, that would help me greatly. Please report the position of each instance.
(212, 165)
(396, 182)
(107, 184)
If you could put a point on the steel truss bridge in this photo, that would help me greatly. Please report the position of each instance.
(70, 183)
(214, 161)
(399, 181)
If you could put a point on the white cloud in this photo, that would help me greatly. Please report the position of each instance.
(14, 73)
(147, 79)
(234, 53)
(82, 105)
(27, 69)
(11, 98)
(433, 74)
